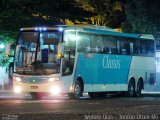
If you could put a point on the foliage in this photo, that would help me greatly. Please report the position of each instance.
(6, 37)
(142, 17)
(15, 14)
(107, 12)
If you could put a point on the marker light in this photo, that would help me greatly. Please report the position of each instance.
(71, 88)
(21, 29)
(40, 29)
(44, 29)
(17, 89)
(36, 29)
(60, 29)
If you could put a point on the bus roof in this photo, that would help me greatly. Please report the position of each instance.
(38, 28)
(90, 29)
(108, 32)
(101, 30)
(146, 36)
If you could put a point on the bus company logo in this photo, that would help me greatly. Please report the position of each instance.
(111, 63)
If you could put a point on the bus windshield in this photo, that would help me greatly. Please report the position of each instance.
(36, 53)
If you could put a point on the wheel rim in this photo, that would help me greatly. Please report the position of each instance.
(77, 89)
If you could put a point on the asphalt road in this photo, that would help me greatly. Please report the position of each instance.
(61, 108)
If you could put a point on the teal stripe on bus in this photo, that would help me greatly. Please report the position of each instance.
(103, 68)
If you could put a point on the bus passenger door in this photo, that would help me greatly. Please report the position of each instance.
(68, 60)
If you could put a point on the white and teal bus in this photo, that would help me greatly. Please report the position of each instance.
(98, 60)
(94, 60)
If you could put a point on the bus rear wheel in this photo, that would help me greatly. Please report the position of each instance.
(139, 88)
(131, 88)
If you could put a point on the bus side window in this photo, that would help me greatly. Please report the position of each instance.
(124, 47)
(146, 47)
(109, 45)
(83, 43)
(107, 50)
(133, 46)
(96, 43)
(143, 50)
(150, 48)
(142, 47)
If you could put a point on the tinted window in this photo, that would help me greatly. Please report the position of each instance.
(97, 43)
(146, 47)
(109, 45)
(83, 42)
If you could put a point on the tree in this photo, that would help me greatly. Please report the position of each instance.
(15, 14)
(107, 12)
(142, 17)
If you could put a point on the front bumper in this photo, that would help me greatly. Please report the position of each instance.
(52, 88)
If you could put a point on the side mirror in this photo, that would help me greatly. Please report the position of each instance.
(8, 50)
(60, 49)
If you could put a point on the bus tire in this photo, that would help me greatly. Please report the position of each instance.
(131, 88)
(139, 88)
(77, 89)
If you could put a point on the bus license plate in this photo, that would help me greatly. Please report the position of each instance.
(34, 87)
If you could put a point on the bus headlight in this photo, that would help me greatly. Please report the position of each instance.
(17, 79)
(55, 90)
(52, 79)
(17, 89)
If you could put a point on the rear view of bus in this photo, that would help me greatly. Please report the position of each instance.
(36, 65)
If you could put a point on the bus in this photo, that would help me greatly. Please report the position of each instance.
(82, 59)
(36, 65)
(98, 60)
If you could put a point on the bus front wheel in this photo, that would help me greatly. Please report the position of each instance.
(77, 90)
